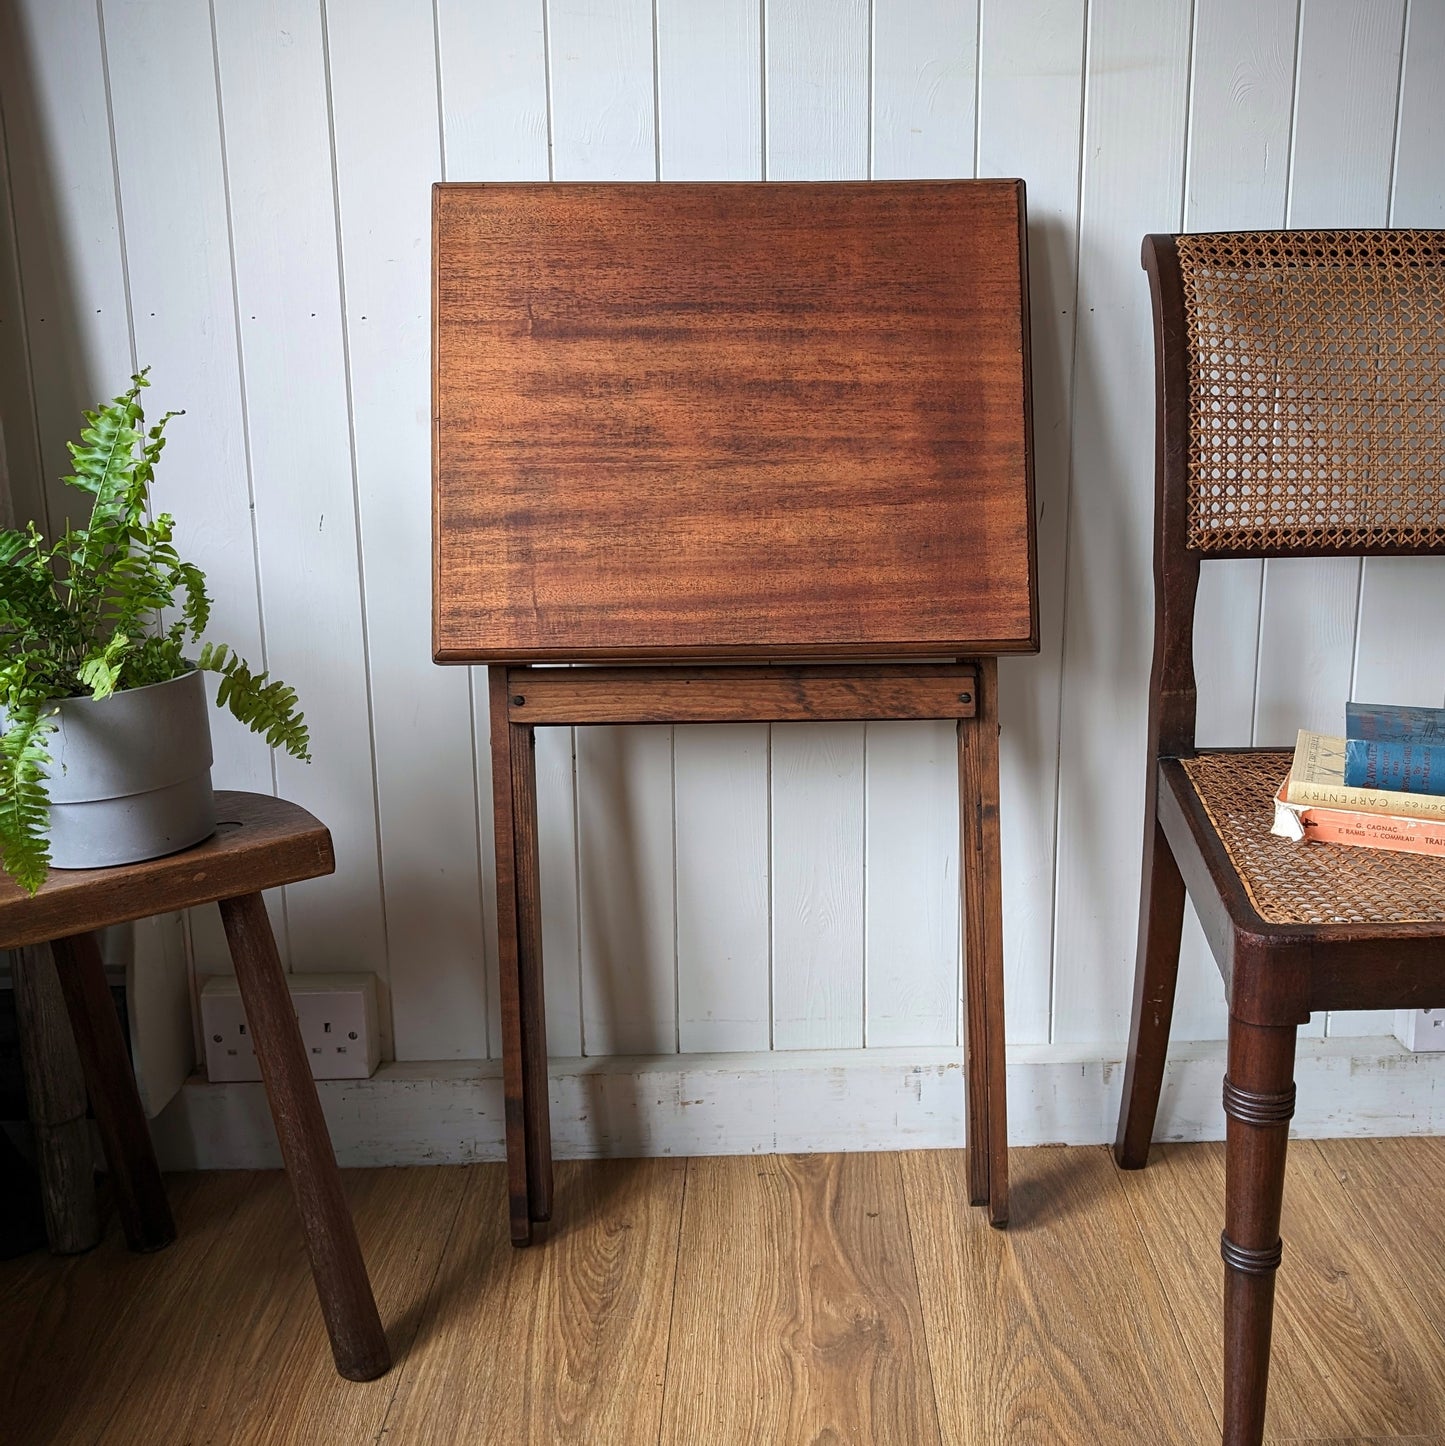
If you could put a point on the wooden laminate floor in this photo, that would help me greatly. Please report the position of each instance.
(778, 1299)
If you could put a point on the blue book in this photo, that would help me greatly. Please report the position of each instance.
(1395, 749)
(1383, 723)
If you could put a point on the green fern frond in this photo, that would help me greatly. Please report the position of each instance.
(100, 671)
(24, 803)
(265, 707)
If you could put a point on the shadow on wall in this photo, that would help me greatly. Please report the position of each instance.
(51, 359)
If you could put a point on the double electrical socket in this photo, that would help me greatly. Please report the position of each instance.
(336, 1013)
(1421, 1030)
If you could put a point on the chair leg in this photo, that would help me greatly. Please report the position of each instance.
(982, 869)
(509, 966)
(1156, 973)
(140, 1194)
(1259, 1096)
(358, 1342)
(536, 1113)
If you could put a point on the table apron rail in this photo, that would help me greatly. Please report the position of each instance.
(777, 694)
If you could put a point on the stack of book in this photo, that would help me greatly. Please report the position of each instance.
(1381, 786)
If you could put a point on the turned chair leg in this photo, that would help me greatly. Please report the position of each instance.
(1259, 1096)
(140, 1194)
(1156, 973)
(357, 1340)
(982, 869)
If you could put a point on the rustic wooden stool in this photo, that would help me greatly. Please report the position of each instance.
(688, 425)
(260, 843)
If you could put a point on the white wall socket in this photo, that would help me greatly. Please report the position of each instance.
(336, 1012)
(1420, 1029)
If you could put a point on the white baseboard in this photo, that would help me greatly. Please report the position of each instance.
(807, 1100)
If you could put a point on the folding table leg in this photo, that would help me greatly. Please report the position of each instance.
(509, 962)
(536, 1115)
(358, 1343)
(982, 870)
(139, 1191)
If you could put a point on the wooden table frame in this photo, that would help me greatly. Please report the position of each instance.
(524, 698)
(779, 426)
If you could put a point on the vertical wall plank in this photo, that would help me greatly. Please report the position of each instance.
(817, 870)
(1031, 78)
(723, 940)
(624, 812)
(816, 90)
(384, 125)
(603, 121)
(816, 99)
(161, 69)
(925, 59)
(710, 128)
(22, 496)
(911, 935)
(67, 222)
(1419, 197)
(709, 90)
(1238, 171)
(925, 65)
(1134, 126)
(604, 128)
(278, 167)
(492, 63)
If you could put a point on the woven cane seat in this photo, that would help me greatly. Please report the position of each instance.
(1316, 364)
(1307, 883)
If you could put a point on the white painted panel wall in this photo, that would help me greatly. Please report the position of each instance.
(238, 194)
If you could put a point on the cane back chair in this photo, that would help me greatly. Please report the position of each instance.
(1300, 383)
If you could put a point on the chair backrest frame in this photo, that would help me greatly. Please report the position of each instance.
(1173, 694)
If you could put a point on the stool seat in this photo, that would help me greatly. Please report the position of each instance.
(259, 843)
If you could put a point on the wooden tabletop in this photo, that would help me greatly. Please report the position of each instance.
(259, 842)
(731, 420)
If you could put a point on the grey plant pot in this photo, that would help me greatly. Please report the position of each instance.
(131, 775)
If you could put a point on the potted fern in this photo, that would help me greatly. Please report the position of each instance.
(105, 750)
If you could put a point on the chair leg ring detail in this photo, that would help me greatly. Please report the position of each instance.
(1251, 1262)
(1258, 1107)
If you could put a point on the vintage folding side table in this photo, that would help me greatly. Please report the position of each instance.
(720, 443)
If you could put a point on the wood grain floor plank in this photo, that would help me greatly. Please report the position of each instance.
(821, 1299)
(565, 1341)
(1057, 1329)
(797, 1317)
(247, 1359)
(1398, 1189)
(72, 1327)
(1354, 1356)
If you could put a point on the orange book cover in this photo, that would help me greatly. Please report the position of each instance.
(1309, 823)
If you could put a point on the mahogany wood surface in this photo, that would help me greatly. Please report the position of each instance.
(260, 842)
(536, 1118)
(982, 870)
(819, 693)
(509, 950)
(1274, 974)
(135, 1176)
(731, 421)
(358, 1342)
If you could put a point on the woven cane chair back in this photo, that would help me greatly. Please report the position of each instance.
(1316, 391)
